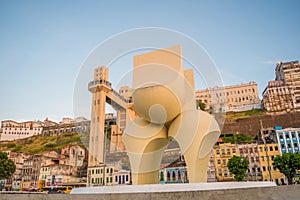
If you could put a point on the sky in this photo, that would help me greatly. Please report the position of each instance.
(43, 44)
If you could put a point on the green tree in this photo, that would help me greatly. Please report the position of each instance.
(238, 166)
(201, 105)
(287, 164)
(7, 166)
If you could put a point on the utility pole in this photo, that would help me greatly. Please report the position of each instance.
(266, 149)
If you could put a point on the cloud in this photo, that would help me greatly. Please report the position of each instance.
(269, 62)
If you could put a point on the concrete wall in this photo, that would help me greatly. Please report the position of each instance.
(251, 125)
(273, 193)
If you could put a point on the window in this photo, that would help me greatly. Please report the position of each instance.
(224, 162)
(271, 148)
(223, 152)
(110, 180)
(228, 151)
(173, 176)
(280, 136)
(219, 162)
(293, 135)
(179, 175)
(295, 145)
(276, 148)
(264, 168)
(262, 158)
(92, 171)
(225, 172)
(220, 172)
(258, 169)
(233, 150)
(217, 151)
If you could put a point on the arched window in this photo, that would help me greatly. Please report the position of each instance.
(161, 176)
(173, 176)
(168, 176)
(179, 175)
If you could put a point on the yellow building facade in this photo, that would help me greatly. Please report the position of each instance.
(267, 153)
(222, 153)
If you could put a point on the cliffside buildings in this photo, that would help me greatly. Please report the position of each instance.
(12, 130)
(230, 98)
(283, 94)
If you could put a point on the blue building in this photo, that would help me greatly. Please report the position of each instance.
(174, 173)
(288, 139)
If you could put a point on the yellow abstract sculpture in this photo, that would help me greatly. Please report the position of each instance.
(163, 95)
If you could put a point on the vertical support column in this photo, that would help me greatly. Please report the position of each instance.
(96, 147)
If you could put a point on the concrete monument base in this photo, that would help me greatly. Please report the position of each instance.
(155, 188)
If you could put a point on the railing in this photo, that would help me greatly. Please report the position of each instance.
(96, 82)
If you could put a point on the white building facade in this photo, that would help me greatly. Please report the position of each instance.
(12, 130)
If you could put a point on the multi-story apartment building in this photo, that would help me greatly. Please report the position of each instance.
(267, 153)
(15, 179)
(288, 140)
(250, 151)
(289, 72)
(283, 94)
(222, 153)
(278, 97)
(12, 130)
(230, 98)
(31, 172)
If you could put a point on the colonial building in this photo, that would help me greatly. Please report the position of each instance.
(108, 174)
(12, 130)
(283, 94)
(250, 151)
(14, 181)
(267, 153)
(230, 98)
(67, 125)
(176, 172)
(72, 155)
(30, 172)
(222, 153)
(288, 140)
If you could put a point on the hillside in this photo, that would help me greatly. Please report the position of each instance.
(40, 143)
(231, 116)
(247, 123)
